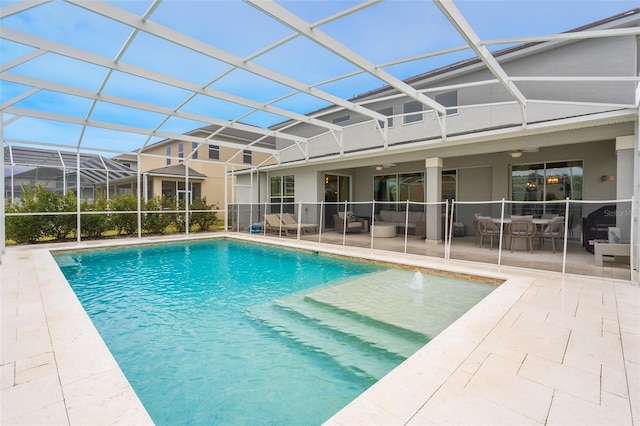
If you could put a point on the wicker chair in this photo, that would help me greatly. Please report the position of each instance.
(356, 225)
(521, 229)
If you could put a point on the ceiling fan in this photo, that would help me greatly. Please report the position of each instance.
(517, 153)
(380, 167)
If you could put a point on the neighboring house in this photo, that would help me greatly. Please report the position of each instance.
(537, 136)
(163, 165)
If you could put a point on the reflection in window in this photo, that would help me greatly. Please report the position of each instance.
(448, 99)
(545, 182)
(282, 189)
(449, 185)
(385, 188)
(409, 107)
(401, 187)
(214, 152)
(411, 187)
(247, 156)
(388, 112)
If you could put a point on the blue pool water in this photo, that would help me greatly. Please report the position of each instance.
(193, 327)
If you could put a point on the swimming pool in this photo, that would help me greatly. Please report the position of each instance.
(217, 332)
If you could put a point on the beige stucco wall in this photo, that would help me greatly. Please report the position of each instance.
(212, 187)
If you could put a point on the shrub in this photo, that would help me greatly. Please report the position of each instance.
(63, 225)
(124, 222)
(204, 220)
(38, 199)
(156, 223)
(94, 225)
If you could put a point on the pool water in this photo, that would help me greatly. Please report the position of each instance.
(205, 332)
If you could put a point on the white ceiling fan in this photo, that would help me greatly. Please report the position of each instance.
(383, 166)
(517, 153)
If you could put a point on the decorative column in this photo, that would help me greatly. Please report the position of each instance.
(624, 178)
(433, 182)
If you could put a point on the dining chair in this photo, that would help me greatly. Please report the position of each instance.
(487, 228)
(553, 231)
(521, 229)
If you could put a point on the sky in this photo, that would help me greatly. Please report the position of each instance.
(381, 33)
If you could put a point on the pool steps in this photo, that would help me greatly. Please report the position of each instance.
(360, 359)
(388, 338)
(360, 343)
(370, 323)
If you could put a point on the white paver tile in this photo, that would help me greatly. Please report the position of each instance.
(588, 352)
(28, 369)
(363, 412)
(8, 375)
(562, 377)
(497, 381)
(54, 415)
(102, 399)
(570, 410)
(31, 396)
(463, 408)
(614, 381)
(414, 382)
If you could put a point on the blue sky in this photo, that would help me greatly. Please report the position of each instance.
(381, 33)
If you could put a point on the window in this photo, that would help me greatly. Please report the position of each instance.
(214, 152)
(403, 187)
(282, 189)
(247, 156)
(448, 99)
(449, 185)
(388, 112)
(545, 182)
(341, 119)
(337, 188)
(168, 155)
(180, 152)
(408, 108)
(194, 150)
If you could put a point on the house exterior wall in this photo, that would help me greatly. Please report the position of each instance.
(596, 57)
(213, 186)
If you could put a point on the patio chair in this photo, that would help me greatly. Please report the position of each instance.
(521, 228)
(486, 227)
(274, 224)
(352, 223)
(287, 219)
(553, 231)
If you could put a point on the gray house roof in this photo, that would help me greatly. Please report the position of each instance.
(177, 170)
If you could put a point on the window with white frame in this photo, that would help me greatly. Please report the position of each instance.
(448, 99)
(408, 108)
(247, 156)
(214, 152)
(168, 155)
(194, 149)
(180, 152)
(282, 189)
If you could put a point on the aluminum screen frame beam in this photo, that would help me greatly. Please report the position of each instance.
(292, 21)
(134, 21)
(456, 18)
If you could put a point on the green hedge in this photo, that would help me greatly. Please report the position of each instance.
(38, 199)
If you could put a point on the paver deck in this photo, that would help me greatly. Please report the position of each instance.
(543, 348)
